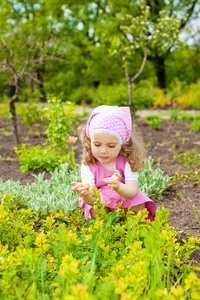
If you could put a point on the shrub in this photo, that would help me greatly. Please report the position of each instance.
(43, 196)
(4, 109)
(111, 95)
(187, 96)
(151, 180)
(174, 113)
(184, 95)
(56, 193)
(82, 93)
(16, 224)
(162, 99)
(37, 158)
(61, 123)
(194, 89)
(195, 126)
(34, 117)
(118, 94)
(154, 121)
(176, 88)
(48, 158)
(187, 116)
(144, 96)
(101, 259)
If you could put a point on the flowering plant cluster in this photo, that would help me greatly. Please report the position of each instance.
(68, 258)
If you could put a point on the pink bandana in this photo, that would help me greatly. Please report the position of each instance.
(114, 120)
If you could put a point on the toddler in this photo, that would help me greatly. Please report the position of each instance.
(113, 154)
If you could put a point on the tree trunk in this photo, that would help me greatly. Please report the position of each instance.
(41, 86)
(160, 71)
(131, 105)
(13, 111)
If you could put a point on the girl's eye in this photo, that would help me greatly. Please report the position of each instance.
(111, 146)
(96, 145)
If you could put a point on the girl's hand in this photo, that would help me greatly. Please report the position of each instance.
(81, 188)
(113, 181)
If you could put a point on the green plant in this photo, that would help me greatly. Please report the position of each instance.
(82, 92)
(191, 160)
(105, 260)
(43, 196)
(195, 126)
(174, 113)
(151, 180)
(34, 117)
(187, 116)
(61, 123)
(116, 94)
(195, 213)
(4, 109)
(16, 224)
(154, 121)
(37, 158)
(48, 158)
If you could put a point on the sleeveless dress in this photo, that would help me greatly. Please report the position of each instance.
(107, 194)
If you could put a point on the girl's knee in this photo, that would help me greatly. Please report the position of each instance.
(93, 214)
(139, 207)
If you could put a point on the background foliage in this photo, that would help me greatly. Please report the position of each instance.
(62, 49)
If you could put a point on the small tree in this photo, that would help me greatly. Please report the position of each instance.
(141, 35)
(22, 55)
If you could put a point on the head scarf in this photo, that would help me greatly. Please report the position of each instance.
(114, 120)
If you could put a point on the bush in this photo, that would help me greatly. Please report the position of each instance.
(34, 117)
(82, 93)
(152, 181)
(144, 95)
(187, 116)
(37, 158)
(43, 196)
(61, 119)
(101, 259)
(183, 95)
(195, 126)
(111, 95)
(48, 158)
(56, 193)
(176, 88)
(154, 121)
(118, 94)
(162, 99)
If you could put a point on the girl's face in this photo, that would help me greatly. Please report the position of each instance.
(105, 147)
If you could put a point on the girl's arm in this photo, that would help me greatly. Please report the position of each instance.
(127, 190)
(84, 188)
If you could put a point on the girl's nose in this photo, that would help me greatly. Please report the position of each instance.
(103, 150)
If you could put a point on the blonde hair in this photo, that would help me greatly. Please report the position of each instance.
(133, 150)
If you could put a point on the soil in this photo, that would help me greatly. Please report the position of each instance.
(180, 198)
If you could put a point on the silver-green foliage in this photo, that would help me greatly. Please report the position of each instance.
(152, 182)
(43, 196)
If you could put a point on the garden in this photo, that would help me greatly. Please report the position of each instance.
(58, 61)
(48, 250)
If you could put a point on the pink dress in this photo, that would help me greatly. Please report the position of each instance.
(107, 194)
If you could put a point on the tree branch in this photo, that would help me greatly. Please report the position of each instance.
(189, 12)
(25, 66)
(143, 63)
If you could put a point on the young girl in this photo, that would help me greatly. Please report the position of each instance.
(113, 154)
